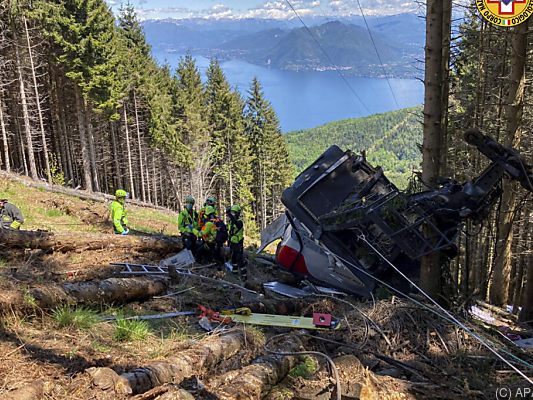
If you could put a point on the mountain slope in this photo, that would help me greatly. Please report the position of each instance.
(399, 40)
(390, 139)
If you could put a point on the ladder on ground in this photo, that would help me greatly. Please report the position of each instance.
(140, 269)
(181, 260)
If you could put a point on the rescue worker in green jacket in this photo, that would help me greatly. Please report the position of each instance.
(10, 215)
(202, 215)
(236, 239)
(118, 213)
(214, 234)
(188, 225)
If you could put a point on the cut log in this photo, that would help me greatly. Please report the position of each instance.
(202, 356)
(34, 391)
(357, 382)
(108, 291)
(255, 380)
(66, 242)
(165, 392)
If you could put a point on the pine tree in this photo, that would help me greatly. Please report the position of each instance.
(190, 112)
(229, 147)
(270, 165)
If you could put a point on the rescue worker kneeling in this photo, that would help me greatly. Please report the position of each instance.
(10, 215)
(236, 240)
(188, 225)
(118, 213)
(214, 234)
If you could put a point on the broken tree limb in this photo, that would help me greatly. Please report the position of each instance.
(112, 290)
(203, 356)
(255, 380)
(66, 242)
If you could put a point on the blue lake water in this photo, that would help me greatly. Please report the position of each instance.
(308, 99)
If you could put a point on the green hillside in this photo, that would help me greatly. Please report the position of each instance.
(391, 140)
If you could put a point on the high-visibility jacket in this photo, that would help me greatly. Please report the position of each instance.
(236, 230)
(202, 217)
(209, 232)
(118, 216)
(11, 217)
(188, 222)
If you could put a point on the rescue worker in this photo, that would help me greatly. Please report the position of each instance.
(202, 215)
(10, 215)
(118, 213)
(236, 240)
(188, 225)
(214, 234)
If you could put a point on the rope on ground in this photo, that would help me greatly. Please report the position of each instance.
(315, 353)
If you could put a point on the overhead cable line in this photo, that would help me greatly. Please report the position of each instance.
(377, 53)
(328, 57)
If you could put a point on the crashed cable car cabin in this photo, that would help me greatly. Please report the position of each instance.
(345, 221)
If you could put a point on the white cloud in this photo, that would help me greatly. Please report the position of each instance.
(279, 9)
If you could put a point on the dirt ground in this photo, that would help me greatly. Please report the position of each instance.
(431, 359)
(387, 349)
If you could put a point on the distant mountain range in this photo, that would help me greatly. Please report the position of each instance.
(284, 44)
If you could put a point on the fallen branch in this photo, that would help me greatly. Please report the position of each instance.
(66, 242)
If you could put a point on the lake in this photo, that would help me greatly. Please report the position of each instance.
(308, 99)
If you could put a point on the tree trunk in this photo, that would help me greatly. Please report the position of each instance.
(513, 116)
(92, 150)
(254, 381)
(107, 291)
(139, 142)
(432, 147)
(38, 103)
(128, 149)
(203, 356)
(26, 116)
(86, 163)
(527, 302)
(117, 176)
(4, 137)
(154, 180)
(66, 242)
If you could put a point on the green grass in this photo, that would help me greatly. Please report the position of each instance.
(306, 368)
(29, 300)
(35, 204)
(79, 317)
(131, 330)
(54, 213)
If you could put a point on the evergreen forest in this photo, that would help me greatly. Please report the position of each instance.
(84, 104)
(391, 140)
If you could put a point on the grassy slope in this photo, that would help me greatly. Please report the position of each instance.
(58, 212)
(390, 139)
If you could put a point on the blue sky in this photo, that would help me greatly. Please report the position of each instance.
(278, 9)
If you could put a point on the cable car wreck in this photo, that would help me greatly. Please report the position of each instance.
(346, 223)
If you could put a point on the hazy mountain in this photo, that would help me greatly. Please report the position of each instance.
(348, 46)
(285, 44)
